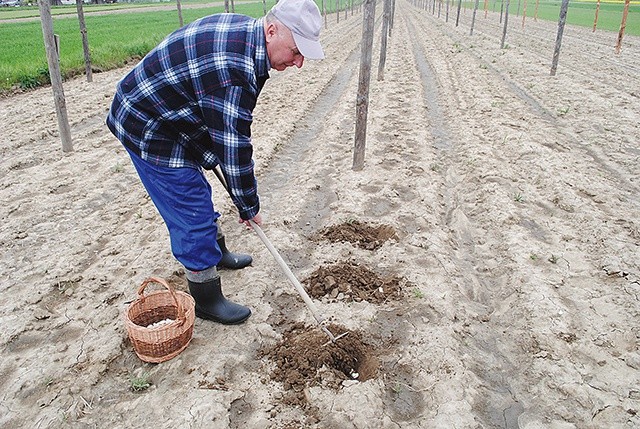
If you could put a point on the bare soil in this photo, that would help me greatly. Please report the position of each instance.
(361, 234)
(349, 281)
(329, 365)
(508, 201)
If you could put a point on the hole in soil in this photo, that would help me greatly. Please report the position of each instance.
(304, 359)
(348, 281)
(363, 235)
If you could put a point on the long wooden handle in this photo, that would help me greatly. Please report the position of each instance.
(292, 278)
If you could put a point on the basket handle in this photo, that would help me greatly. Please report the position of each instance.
(181, 316)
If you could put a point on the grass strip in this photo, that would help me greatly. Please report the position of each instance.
(581, 13)
(114, 41)
(119, 38)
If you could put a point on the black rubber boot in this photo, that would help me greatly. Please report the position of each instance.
(231, 260)
(212, 305)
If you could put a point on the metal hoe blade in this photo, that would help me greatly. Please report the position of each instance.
(332, 338)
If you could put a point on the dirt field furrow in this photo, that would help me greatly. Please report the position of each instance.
(495, 285)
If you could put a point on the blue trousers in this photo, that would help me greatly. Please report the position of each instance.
(183, 199)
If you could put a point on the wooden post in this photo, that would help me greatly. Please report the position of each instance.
(458, 15)
(501, 10)
(524, 12)
(446, 19)
(324, 14)
(623, 25)
(264, 6)
(226, 6)
(337, 11)
(561, 21)
(393, 14)
(53, 61)
(233, 6)
(362, 101)
(535, 15)
(506, 21)
(85, 41)
(179, 13)
(473, 17)
(486, 8)
(383, 39)
(595, 21)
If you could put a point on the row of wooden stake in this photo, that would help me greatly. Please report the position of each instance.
(51, 45)
(362, 99)
(504, 9)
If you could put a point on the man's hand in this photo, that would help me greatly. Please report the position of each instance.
(257, 219)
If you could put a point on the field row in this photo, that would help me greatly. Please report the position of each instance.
(23, 62)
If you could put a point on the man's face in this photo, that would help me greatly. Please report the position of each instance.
(281, 48)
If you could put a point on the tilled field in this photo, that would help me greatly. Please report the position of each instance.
(504, 208)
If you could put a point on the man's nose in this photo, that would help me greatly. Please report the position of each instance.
(298, 61)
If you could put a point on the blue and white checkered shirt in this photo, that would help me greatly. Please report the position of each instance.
(189, 102)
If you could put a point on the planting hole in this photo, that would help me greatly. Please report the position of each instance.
(349, 281)
(304, 359)
(360, 234)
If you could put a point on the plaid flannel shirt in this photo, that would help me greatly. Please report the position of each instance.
(189, 102)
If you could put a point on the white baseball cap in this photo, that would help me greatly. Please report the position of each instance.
(303, 18)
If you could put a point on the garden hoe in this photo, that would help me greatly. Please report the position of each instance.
(292, 278)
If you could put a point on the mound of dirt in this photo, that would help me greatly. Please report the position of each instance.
(305, 358)
(349, 281)
(360, 234)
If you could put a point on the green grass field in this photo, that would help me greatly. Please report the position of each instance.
(580, 13)
(116, 39)
(33, 11)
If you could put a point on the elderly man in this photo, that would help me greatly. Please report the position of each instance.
(187, 106)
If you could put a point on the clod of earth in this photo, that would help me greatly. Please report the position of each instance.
(348, 281)
(304, 359)
(360, 234)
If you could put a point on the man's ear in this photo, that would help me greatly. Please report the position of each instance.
(271, 31)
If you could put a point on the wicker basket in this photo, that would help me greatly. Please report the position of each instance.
(160, 343)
